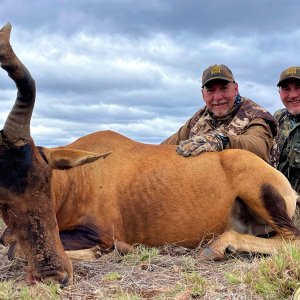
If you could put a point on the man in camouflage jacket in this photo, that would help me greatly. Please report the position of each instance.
(289, 126)
(227, 120)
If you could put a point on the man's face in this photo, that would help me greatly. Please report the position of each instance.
(289, 92)
(219, 96)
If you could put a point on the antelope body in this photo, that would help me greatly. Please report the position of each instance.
(105, 188)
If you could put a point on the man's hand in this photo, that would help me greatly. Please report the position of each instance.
(209, 142)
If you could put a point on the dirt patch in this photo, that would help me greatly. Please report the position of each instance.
(166, 275)
(162, 277)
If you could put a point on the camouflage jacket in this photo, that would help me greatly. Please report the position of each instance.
(288, 141)
(248, 126)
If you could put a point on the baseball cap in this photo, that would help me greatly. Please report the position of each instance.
(291, 72)
(216, 72)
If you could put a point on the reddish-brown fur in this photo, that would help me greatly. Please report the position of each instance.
(138, 193)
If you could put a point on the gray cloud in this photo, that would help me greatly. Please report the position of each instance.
(130, 17)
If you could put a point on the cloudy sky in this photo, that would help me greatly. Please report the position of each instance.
(135, 66)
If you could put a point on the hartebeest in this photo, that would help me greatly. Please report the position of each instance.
(138, 193)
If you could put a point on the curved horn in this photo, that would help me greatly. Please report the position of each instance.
(17, 125)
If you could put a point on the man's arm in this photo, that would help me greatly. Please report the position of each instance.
(258, 138)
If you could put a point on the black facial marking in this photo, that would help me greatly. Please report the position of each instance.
(80, 237)
(42, 153)
(15, 164)
(63, 164)
(275, 205)
(36, 238)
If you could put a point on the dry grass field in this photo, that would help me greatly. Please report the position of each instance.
(169, 272)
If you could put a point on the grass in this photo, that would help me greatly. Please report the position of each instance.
(9, 290)
(112, 276)
(143, 255)
(274, 277)
(196, 283)
(164, 273)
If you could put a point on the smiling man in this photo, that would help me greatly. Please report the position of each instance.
(226, 121)
(289, 125)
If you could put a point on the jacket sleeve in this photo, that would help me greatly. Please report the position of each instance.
(257, 138)
(180, 135)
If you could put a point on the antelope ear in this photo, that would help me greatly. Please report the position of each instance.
(68, 158)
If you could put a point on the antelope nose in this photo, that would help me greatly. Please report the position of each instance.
(65, 280)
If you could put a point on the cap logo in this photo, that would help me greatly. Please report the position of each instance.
(291, 71)
(215, 70)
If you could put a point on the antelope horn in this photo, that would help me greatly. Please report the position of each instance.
(17, 125)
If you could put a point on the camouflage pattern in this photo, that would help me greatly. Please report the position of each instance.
(201, 143)
(289, 73)
(235, 123)
(288, 141)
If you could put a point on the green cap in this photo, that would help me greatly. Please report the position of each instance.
(291, 72)
(217, 72)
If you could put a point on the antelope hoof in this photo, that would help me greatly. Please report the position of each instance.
(210, 254)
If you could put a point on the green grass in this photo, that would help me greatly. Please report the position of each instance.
(197, 284)
(112, 276)
(275, 277)
(142, 255)
(127, 296)
(150, 274)
(10, 290)
(175, 292)
(188, 264)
